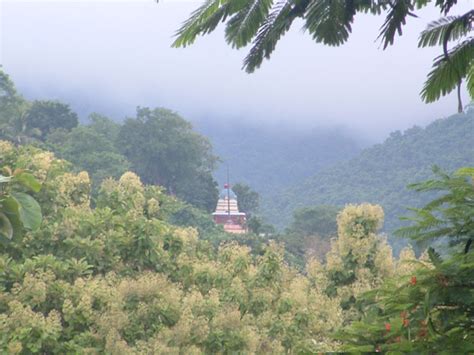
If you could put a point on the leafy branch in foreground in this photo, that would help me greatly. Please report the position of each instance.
(454, 65)
(431, 308)
(263, 22)
(451, 215)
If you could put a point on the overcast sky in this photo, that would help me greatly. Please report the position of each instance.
(111, 56)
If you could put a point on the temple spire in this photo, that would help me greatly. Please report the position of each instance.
(227, 211)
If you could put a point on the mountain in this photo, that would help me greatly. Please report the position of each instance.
(269, 159)
(380, 174)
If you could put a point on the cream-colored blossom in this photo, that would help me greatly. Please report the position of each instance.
(6, 148)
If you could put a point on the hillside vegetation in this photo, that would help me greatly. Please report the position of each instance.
(120, 278)
(157, 144)
(269, 159)
(381, 173)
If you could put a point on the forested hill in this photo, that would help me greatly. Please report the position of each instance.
(380, 174)
(270, 159)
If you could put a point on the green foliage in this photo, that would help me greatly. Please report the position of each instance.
(264, 22)
(120, 278)
(429, 309)
(24, 122)
(309, 233)
(158, 144)
(248, 199)
(450, 216)
(13, 111)
(92, 148)
(380, 173)
(317, 220)
(47, 116)
(164, 150)
(451, 68)
(18, 209)
(256, 155)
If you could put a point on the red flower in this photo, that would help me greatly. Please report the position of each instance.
(413, 280)
(388, 327)
(406, 322)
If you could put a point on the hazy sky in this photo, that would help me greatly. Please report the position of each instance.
(111, 56)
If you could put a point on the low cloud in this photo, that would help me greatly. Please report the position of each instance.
(113, 56)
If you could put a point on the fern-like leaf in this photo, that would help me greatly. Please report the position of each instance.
(244, 25)
(446, 29)
(202, 21)
(448, 72)
(329, 21)
(470, 81)
(276, 25)
(395, 20)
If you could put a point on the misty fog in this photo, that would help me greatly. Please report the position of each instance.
(110, 57)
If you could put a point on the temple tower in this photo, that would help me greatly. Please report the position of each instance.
(227, 212)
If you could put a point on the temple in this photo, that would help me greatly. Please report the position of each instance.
(227, 212)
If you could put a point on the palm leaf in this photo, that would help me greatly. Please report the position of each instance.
(470, 81)
(329, 21)
(395, 20)
(244, 25)
(278, 22)
(202, 21)
(448, 72)
(446, 29)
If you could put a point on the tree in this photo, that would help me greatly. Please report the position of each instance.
(164, 150)
(264, 22)
(430, 310)
(46, 116)
(90, 149)
(317, 220)
(248, 199)
(13, 112)
(310, 232)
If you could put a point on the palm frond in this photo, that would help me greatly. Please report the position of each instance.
(446, 5)
(470, 81)
(244, 25)
(275, 26)
(371, 7)
(395, 20)
(329, 21)
(446, 29)
(202, 21)
(448, 72)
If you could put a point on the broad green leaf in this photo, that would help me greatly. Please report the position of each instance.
(29, 181)
(29, 210)
(11, 207)
(6, 228)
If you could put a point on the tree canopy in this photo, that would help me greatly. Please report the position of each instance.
(247, 198)
(164, 150)
(428, 307)
(47, 116)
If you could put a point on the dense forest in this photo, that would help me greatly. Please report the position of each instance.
(108, 243)
(255, 154)
(157, 144)
(115, 275)
(380, 174)
(96, 258)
